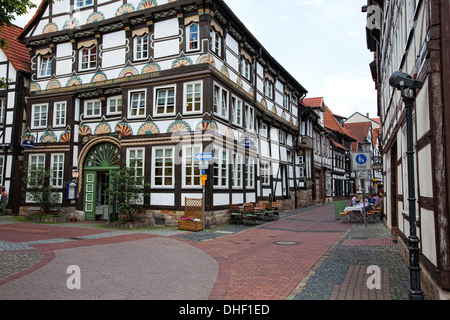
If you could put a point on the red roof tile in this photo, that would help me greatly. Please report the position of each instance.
(359, 129)
(331, 123)
(16, 52)
(314, 102)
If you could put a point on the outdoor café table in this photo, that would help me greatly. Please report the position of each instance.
(355, 213)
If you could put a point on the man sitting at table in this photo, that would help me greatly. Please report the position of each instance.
(355, 200)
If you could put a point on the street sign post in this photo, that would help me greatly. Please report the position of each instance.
(204, 157)
(362, 161)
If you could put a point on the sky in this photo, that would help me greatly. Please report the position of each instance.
(321, 43)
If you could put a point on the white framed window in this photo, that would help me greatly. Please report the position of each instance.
(59, 114)
(141, 47)
(282, 136)
(45, 66)
(164, 101)
(35, 162)
(265, 173)
(191, 169)
(249, 118)
(57, 170)
(2, 111)
(268, 89)
(236, 111)
(39, 116)
(92, 108)
(84, 3)
(137, 103)
(220, 168)
(250, 169)
(220, 102)
(237, 171)
(163, 167)
(88, 58)
(216, 42)
(193, 93)
(263, 130)
(135, 160)
(286, 101)
(114, 105)
(193, 37)
(246, 69)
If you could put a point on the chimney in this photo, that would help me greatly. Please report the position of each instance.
(367, 115)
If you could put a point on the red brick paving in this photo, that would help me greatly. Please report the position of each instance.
(252, 267)
(24, 232)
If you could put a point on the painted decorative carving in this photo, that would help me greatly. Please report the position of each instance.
(150, 68)
(124, 129)
(148, 128)
(71, 23)
(102, 128)
(53, 84)
(181, 62)
(48, 137)
(124, 9)
(179, 126)
(50, 27)
(65, 137)
(207, 58)
(74, 81)
(145, 4)
(99, 76)
(84, 131)
(95, 17)
(128, 72)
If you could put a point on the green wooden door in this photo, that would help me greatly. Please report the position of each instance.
(103, 157)
(90, 194)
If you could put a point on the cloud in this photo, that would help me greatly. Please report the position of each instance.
(345, 96)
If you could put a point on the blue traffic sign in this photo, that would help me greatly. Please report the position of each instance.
(361, 159)
(204, 157)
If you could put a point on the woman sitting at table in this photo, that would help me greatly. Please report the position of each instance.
(355, 200)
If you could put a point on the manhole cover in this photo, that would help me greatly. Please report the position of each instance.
(286, 243)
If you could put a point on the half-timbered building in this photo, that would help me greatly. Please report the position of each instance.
(15, 73)
(153, 84)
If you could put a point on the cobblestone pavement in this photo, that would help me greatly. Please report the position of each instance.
(305, 255)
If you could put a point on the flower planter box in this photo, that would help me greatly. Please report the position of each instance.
(190, 225)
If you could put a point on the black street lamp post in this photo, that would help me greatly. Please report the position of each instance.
(402, 82)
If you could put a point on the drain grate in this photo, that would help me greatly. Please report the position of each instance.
(286, 243)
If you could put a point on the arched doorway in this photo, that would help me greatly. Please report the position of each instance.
(101, 160)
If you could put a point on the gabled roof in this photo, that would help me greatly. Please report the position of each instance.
(314, 102)
(15, 51)
(330, 122)
(359, 129)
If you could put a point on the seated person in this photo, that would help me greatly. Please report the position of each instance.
(355, 200)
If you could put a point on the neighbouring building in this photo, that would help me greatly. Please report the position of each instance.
(153, 84)
(322, 173)
(413, 37)
(15, 71)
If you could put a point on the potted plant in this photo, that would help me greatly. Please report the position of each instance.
(190, 224)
